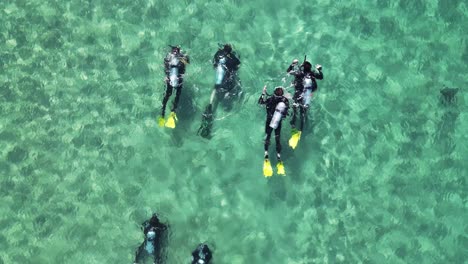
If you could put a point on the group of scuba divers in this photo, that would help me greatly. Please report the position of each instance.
(155, 233)
(227, 87)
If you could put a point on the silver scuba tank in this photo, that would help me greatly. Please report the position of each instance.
(307, 97)
(173, 77)
(149, 247)
(276, 119)
(221, 70)
(308, 84)
(174, 71)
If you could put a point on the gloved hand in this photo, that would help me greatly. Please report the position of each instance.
(318, 67)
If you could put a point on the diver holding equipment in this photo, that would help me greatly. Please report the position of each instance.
(201, 255)
(277, 108)
(174, 68)
(226, 64)
(155, 236)
(304, 85)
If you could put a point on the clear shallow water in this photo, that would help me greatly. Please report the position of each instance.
(379, 175)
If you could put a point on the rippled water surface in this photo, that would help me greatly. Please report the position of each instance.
(378, 177)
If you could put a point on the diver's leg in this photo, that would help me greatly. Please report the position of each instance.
(293, 117)
(177, 96)
(294, 109)
(268, 131)
(214, 99)
(167, 94)
(176, 99)
(303, 116)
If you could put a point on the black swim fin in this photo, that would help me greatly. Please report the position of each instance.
(207, 122)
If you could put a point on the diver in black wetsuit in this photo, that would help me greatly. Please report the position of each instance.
(277, 108)
(155, 235)
(227, 59)
(304, 85)
(201, 255)
(226, 64)
(174, 67)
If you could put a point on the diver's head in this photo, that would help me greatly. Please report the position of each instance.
(154, 221)
(175, 49)
(227, 48)
(279, 91)
(307, 66)
(203, 251)
(204, 248)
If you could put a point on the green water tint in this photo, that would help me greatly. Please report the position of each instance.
(379, 175)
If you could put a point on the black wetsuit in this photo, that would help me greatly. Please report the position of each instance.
(232, 65)
(225, 89)
(271, 103)
(202, 252)
(152, 246)
(181, 60)
(298, 97)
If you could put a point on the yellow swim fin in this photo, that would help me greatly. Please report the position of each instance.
(267, 170)
(280, 168)
(171, 120)
(161, 121)
(295, 137)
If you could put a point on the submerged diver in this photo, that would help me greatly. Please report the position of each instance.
(174, 67)
(155, 233)
(277, 108)
(201, 255)
(226, 64)
(304, 85)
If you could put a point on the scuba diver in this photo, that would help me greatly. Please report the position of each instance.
(155, 235)
(174, 67)
(201, 255)
(304, 85)
(226, 64)
(277, 108)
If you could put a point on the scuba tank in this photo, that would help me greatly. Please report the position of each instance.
(174, 71)
(149, 245)
(308, 85)
(221, 70)
(276, 119)
(307, 97)
(173, 79)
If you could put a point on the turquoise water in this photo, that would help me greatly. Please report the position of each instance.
(378, 177)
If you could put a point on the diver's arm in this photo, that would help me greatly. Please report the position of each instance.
(208, 256)
(263, 99)
(194, 256)
(138, 253)
(166, 64)
(236, 62)
(216, 59)
(317, 73)
(286, 102)
(290, 69)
